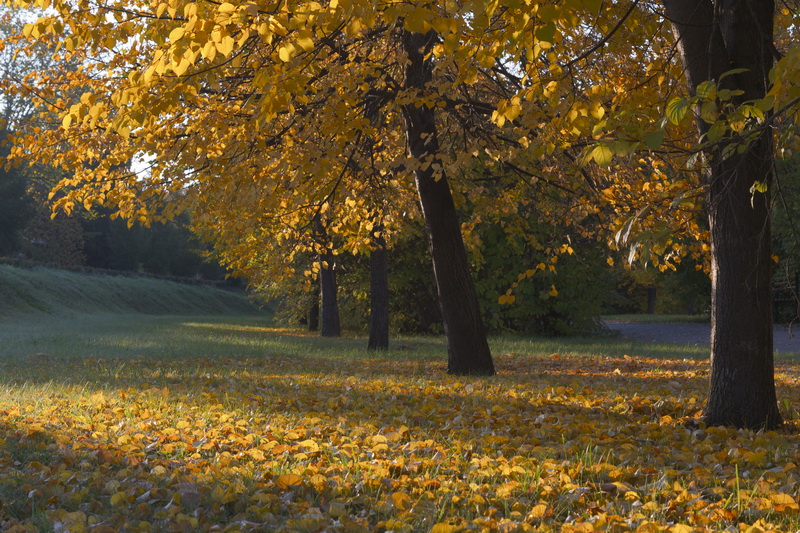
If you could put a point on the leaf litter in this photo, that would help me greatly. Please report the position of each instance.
(355, 444)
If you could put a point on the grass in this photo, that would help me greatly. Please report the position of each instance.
(150, 423)
(171, 337)
(136, 422)
(45, 291)
(658, 319)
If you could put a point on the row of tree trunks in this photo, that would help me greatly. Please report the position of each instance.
(467, 347)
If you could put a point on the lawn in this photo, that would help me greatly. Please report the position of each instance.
(198, 423)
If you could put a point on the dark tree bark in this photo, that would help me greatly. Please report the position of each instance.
(467, 348)
(313, 310)
(378, 293)
(651, 300)
(327, 282)
(715, 37)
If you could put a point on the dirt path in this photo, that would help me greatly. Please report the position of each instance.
(786, 341)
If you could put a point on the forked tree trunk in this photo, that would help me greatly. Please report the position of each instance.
(714, 39)
(467, 348)
(378, 293)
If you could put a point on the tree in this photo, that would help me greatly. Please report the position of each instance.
(731, 44)
(259, 111)
(327, 282)
(238, 55)
(467, 348)
(378, 292)
(16, 207)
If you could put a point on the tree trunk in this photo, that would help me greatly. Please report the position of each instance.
(714, 39)
(313, 310)
(327, 282)
(467, 348)
(651, 300)
(378, 293)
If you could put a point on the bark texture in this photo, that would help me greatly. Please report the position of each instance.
(467, 348)
(715, 37)
(378, 294)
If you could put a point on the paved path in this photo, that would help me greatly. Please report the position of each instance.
(786, 341)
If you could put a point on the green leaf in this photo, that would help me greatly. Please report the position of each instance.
(546, 32)
(601, 154)
(758, 186)
(677, 108)
(654, 139)
(709, 112)
(707, 90)
(732, 72)
(716, 132)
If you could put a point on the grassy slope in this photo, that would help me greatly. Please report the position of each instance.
(61, 293)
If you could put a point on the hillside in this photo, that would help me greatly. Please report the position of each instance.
(48, 291)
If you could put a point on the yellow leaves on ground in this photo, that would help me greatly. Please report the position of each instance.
(331, 441)
(288, 481)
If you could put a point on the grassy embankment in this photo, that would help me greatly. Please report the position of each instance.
(186, 423)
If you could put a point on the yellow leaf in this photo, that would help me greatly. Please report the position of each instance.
(506, 299)
(176, 34)
(601, 154)
(443, 527)
(225, 45)
(287, 481)
(286, 52)
(309, 446)
(226, 8)
(256, 454)
(209, 50)
(538, 511)
(119, 499)
(401, 501)
(417, 20)
(305, 40)
(780, 498)
(553, 292)
(597, 110)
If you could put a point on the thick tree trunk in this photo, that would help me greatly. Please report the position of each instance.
(378, 293)
(714, 39)
(467, 348)
(327, 283)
